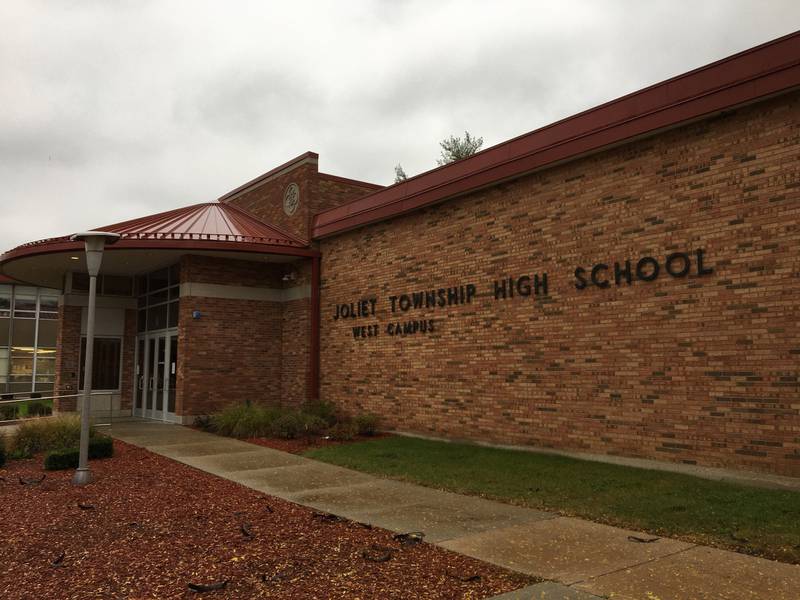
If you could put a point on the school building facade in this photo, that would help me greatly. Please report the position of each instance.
(624, 281)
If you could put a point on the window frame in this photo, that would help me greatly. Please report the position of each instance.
(82, 348)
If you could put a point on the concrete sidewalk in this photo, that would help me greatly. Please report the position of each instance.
(584, 560)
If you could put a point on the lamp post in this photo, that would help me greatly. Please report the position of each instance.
(95, 242)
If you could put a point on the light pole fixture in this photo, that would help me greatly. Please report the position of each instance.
(95, 242)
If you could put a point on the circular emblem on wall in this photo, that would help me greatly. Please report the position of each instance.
(291, 199)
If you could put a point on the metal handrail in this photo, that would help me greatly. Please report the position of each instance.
(29, 399)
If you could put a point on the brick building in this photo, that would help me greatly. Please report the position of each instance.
(624, 281)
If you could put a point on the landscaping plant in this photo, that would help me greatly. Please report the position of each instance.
(244, 420)
(324, 410)
(343, 431)
(41, 435)
(100, 446)
(367, 424)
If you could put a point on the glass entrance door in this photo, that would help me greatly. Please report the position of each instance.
(156, 376)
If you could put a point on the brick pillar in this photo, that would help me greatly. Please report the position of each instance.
(69, 348)
(128, 349)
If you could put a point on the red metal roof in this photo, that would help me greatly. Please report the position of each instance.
(208, 221)
(757, 73)
(208, 226)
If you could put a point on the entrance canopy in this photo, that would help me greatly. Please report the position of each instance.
(156, 240)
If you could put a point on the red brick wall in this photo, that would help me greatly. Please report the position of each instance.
(694, 369)
(294, 351)
(230, 355)
(241, 349)
(334, 191)
(69, 347)
(266, 200)
(224, 271)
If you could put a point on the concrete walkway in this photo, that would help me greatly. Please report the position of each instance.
(584, 560)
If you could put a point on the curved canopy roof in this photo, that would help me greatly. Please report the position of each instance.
(208, 228)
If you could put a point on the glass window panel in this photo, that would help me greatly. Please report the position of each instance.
(18, 385)
(48, 331)
(141, 324)
(174, 293)
(105, 363)
(46, 365)
(173, 314)
(3, 363)
(115, 285)
(21, 365)
(158, 297)
(157, 317)
(25, 302)
(158, 280)
(48, 307)
(5, 300)
(24, 332)
(4, 328)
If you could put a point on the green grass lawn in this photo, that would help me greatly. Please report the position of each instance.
(752, 520)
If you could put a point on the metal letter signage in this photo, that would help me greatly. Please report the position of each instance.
(600, 275)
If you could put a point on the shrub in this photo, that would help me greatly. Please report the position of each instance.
(323, 410)
(39, 408)
(38, 435)
(343, 431)
(312, 424)
(244, 420)
(367, 424)
(8, 412)
(2, 451)
(101, 446)
(288, 425)
(203, 422)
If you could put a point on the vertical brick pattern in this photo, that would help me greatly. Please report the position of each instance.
(128, 353)
(695, 369)
(294, 351)
(69, 348)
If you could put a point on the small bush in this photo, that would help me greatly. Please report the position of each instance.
(39, 408)
(14, 454)
(312, 424)
(203, 422)
(2, 451)
(288, 426)
(343, 431)
(99, 447)
(8, 412)
(244, 420)
(40, 435)
(367, 424)
(324, 410)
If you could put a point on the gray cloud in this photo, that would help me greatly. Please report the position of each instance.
(114, 110)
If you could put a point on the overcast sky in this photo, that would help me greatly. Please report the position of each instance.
(111, 110)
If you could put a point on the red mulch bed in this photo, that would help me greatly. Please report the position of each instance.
(303, 444)
(156, 525)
